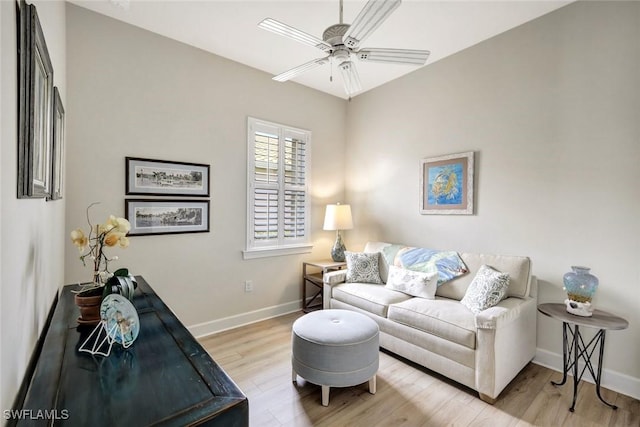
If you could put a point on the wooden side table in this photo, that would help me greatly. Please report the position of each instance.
(314, 276)
(574, 348)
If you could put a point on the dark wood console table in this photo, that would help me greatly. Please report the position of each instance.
(165, 378)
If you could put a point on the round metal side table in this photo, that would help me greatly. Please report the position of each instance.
(573, 345)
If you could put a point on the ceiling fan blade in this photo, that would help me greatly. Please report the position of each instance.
(394, 56)
(350, 77)
(289, 74)
(293, 33)
(370, 17)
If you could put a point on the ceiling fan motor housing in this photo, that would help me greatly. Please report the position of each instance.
(333, 34)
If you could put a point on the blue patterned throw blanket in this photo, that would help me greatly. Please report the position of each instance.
(447, 264)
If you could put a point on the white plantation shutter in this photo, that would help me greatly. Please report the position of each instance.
(295, 167)
(265, 214)
(278, 203)
(266, 149)
(294, 214)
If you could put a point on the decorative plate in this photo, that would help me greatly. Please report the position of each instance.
(120, 319)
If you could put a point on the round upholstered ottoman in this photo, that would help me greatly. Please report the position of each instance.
(335, 348)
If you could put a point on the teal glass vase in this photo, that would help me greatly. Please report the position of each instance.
(580, 284)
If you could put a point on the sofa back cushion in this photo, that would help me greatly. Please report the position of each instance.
(518, 267)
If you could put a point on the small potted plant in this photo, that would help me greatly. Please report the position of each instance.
(112, 233)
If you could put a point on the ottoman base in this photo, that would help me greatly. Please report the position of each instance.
(327, 388)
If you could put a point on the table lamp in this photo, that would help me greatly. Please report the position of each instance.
(338, 217)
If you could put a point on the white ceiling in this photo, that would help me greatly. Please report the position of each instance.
(229, 28)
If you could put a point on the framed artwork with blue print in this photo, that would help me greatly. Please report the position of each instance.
(446, 184)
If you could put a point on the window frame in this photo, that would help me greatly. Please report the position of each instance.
(282, 245)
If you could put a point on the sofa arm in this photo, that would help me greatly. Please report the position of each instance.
(329, 280)
(505, 343)
(505, 312)
(334, 277)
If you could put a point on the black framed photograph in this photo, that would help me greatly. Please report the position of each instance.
(447, 184)
(166, 178)
(159, 216)
(35, 106)
(57, 167)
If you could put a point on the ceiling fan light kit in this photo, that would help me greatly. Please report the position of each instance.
(341, 41)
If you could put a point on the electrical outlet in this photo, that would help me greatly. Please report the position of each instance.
(248, 285)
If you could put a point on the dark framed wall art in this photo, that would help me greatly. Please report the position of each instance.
(35, 106)
(57, 167)
(160, 216)
(166, 178)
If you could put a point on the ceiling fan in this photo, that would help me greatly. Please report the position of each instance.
(341, 42)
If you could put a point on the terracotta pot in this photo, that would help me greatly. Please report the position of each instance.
(89, 304)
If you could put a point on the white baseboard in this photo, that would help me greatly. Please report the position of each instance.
(201, 330)
(612, 380)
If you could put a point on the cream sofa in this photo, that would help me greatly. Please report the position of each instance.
(483, 352)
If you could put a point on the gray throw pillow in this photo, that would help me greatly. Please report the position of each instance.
(487, 289)
(362, 267)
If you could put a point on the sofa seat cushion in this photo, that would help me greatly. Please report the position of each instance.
(519, 269)
(368, 296)
(442, 317)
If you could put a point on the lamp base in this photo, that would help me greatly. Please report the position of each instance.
(337, 251)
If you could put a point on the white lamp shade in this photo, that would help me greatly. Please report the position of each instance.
(338, 217)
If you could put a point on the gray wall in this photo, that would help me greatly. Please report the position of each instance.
(32, 237)
(552, 111)
(135, 93)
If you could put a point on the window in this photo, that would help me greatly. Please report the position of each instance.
(277, 195)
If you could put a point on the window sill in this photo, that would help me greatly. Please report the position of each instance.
(276, 251)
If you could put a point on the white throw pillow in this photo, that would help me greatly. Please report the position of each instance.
(415, 283)
(487, 289)
(362, 267)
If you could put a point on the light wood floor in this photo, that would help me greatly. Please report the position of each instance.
(257, 357)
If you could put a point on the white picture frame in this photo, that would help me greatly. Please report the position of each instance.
(446, 184)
